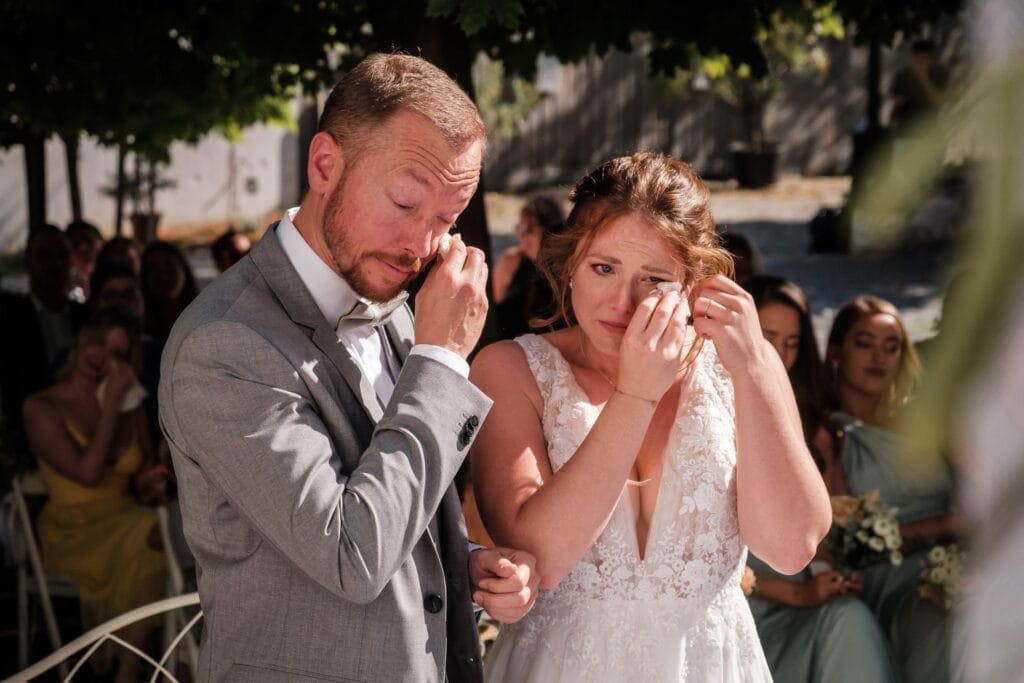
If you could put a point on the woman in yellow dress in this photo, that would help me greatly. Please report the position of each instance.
(88, 433)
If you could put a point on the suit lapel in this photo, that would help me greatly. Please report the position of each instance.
(286, 284)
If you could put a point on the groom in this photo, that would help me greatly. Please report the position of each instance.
(316, 428)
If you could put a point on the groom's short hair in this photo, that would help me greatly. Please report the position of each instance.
(382, 84)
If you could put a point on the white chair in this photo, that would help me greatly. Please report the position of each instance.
(43, 586)
(175, 619)
(105, 632)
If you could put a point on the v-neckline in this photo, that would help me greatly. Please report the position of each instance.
(624, 494)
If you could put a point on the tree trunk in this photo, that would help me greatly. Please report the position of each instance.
(119, 198)
(874, 87)
(35, 177)
(74, 184)
(443, 44)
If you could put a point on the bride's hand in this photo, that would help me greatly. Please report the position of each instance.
(653, 345)
(725, 313)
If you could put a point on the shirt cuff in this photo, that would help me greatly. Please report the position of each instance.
(443, 356)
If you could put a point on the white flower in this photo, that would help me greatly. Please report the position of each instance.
(893, 541)
(876, 544)
(862, 536)
(937, 554)
(896, 558)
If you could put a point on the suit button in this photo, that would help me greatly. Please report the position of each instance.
(468, 430)
(433, 603)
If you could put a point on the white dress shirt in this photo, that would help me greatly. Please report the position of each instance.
(334, 297)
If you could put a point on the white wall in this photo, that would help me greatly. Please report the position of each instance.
(266, 181)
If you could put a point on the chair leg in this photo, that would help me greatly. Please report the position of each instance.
(22, 618)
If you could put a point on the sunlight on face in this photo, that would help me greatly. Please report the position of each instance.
(384, 218)
(869, 356)
(622, 266)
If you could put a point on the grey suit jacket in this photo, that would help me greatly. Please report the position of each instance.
(309, 507)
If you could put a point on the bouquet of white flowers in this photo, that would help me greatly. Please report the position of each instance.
(864, 532)
(942, 578)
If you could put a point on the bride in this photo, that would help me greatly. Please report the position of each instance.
(636, 460)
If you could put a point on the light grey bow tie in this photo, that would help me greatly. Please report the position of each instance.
(370, 313)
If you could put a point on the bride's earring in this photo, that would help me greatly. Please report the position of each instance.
(570, 283)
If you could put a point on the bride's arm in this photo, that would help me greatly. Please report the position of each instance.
(782, 503)
(554, 516)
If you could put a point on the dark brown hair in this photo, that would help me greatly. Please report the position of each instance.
(808, 372)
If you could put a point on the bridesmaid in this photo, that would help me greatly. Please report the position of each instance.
(875, 369)
(812, 627)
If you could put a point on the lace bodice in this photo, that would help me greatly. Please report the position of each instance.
(688, 582)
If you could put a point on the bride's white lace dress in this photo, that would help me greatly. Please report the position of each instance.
(679, 613)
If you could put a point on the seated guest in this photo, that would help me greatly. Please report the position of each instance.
(86, 242)
(38, 327)
(123, 250)
(114, 284)
(745, 256)
(228, 248)
(875, 371)
(520, 292)
(812, 626)
(88, 433)
(168, 286)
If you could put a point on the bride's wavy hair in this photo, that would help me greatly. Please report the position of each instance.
(665, 192)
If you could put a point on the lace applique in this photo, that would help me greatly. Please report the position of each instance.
(688, 584)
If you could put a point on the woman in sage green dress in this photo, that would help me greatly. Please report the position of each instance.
(875, 370)
(813, 627)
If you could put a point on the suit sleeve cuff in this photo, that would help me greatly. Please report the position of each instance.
(443, 356)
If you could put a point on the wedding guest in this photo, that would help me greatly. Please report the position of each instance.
(812, 625)
(89, 436)
(520, 292)
(745, 256)
(785, 318)
(115, 284)
(875, 370)
(86, 242)
(123, 250)
(637, 452)
(918, 88)
(168, 286)
(38, 327)
(228, 248)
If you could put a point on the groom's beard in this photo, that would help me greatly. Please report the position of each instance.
(351, 265)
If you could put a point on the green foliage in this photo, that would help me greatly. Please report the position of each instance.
(144, 76)
(793, 42)
(473, 15)
(504, 101)
(981, 125)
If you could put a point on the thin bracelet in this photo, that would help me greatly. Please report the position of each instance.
(639, 398)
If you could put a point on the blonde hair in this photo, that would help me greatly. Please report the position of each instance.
(908, 374)
(665, 192)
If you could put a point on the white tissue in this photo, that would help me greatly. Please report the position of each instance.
(132, 399)
(445, 243)
(666, 287)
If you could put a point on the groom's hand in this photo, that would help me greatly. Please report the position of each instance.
(504, 582)
(451, 306)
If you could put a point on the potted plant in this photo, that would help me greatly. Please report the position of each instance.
(140, 188)
(788, 44)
